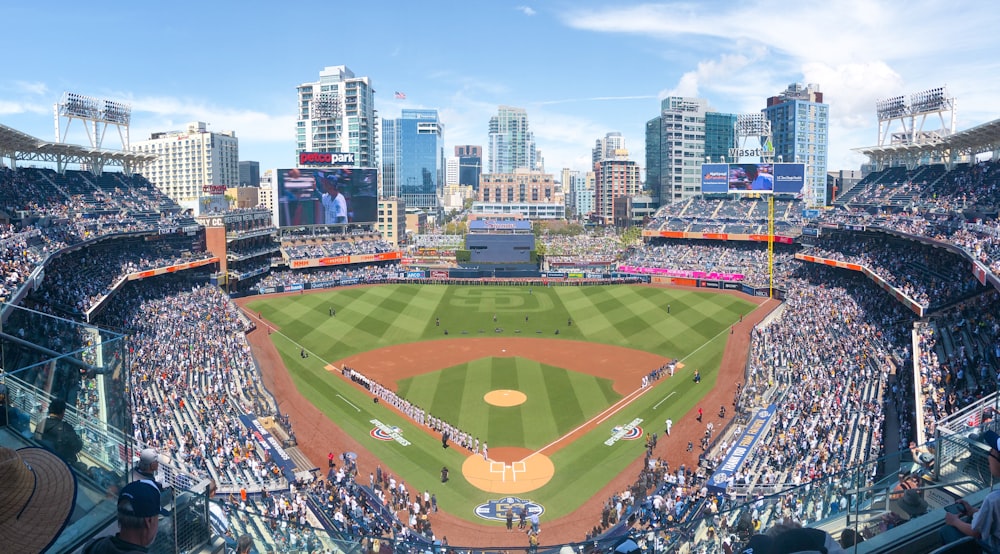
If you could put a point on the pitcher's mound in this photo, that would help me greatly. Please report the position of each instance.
(508, 477)
(505, 398)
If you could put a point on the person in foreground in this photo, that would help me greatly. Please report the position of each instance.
(788, 537)
(37, 495)
(138, 520)
(963, 520)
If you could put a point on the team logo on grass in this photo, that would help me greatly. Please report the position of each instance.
(384, 432)
(629, 432)
(496, 510)
(381, 435)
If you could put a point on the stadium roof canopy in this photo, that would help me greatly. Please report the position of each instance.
(961, 146)
(16, 146)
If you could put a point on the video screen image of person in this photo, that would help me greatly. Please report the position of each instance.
(749, 177)
(300, 201)
(764, 180)
(335, 187)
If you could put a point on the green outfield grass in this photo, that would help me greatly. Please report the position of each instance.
(695, 331)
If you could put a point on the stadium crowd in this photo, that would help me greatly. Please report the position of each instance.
(928, 275)
(839, 337)
(599, 248)
(746, 259)
(364, 274)
(959, 359)
(337, 248)
(197, 377)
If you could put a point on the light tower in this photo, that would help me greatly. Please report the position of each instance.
(328, 124)
(912, 116)
(756, 125)
(96, 114)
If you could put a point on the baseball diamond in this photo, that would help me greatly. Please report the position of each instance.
(546, 403)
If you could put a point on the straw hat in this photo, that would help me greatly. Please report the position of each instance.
(39, 492)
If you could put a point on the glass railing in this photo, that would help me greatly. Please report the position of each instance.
(46, 358)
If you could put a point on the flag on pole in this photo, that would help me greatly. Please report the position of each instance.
(400, 95)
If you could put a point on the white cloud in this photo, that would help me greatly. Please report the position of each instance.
(727, 69)
(14, 107)
(32, 88)
(857, 51)
(852, 89)
(526, 10)
(164, 113)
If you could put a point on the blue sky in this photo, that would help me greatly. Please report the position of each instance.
(580, 68)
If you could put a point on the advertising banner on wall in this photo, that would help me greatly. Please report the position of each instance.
(789, 179)
(715, 178)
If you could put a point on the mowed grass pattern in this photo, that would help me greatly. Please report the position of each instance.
(695, 330)
(368, 318)
(557, 400)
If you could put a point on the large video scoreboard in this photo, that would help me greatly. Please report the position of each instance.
(742, 178)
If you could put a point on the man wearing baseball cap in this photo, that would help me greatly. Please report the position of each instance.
(138, 520)
(149, 462)
(982, 524)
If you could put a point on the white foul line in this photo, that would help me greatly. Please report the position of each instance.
(664, 399)
(617, 406)
(349, 403)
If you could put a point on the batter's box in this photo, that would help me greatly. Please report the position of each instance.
(508, 477)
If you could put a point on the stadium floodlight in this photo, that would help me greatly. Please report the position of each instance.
(119, 113)
(752, 125)
(930, 100)
(79, 105)
(891, 108)
(326, 106)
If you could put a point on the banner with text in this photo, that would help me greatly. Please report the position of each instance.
(346, 260)
(273, 447)
(741, 449)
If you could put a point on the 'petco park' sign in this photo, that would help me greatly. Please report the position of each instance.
(326, 158)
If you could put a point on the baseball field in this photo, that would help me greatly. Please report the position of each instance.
(549, 377)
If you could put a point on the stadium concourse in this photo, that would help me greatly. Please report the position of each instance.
(878, 359)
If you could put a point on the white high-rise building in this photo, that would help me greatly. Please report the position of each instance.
(337, 114)
(194, 167)
(675, 149)
(607, 148)
(511, 144)
(452, 167)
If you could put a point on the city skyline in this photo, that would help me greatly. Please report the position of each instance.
(580, 70)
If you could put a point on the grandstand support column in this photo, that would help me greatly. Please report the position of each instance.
(770, 245)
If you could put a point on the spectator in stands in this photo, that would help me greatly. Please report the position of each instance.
(58, 435)
(983, 524)
(149, 462)
(138, 520)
